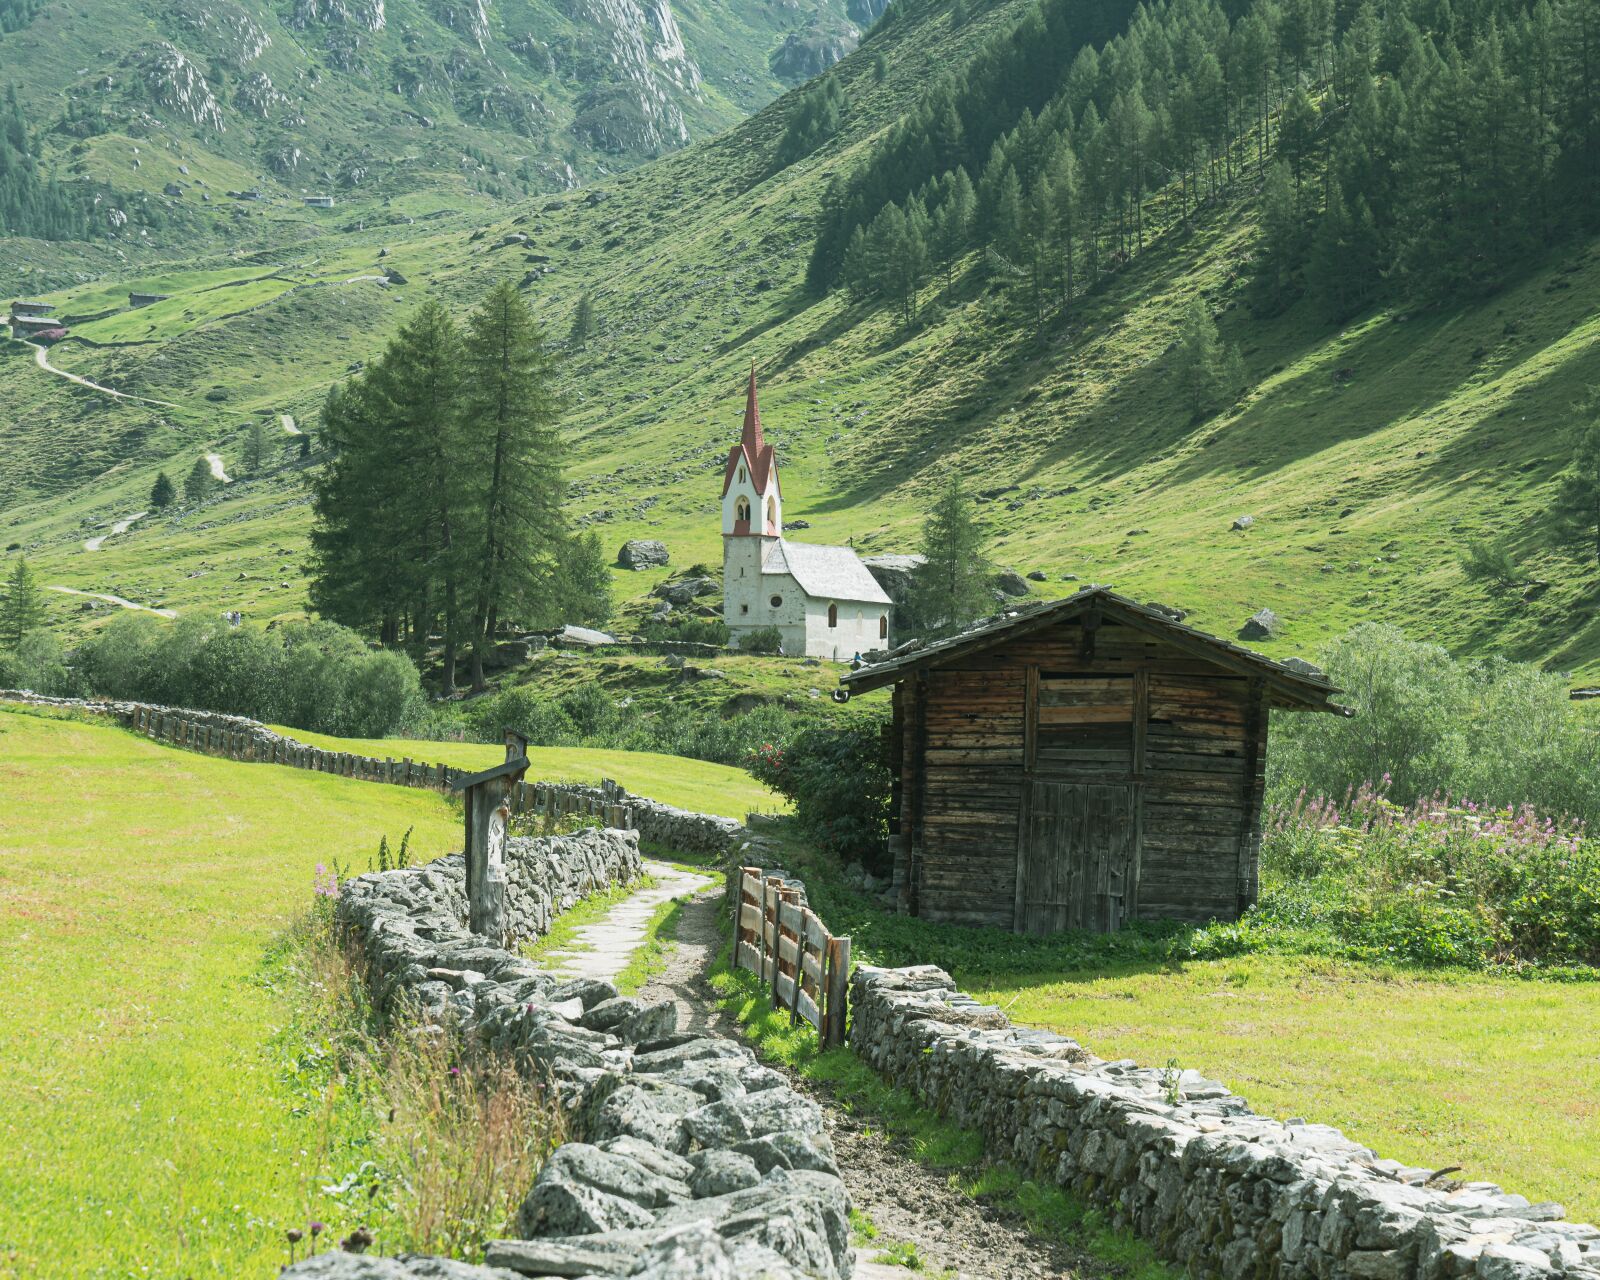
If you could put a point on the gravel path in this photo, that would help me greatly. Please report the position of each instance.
(954, 1234)
(121, 526)
(602, 950)
(41, 357)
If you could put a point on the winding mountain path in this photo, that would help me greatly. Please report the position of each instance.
(287, 419)
(41, 357)
(217, 470)
(117, 600)
(121, 526)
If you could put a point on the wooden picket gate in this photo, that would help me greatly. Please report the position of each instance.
(792, 952)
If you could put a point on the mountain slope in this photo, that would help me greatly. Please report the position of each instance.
(1367, 454)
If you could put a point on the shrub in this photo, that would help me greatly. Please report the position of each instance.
(1502, 732)
(761, 640)
(1439, 882)
(37, 664)
(839, 782)
(315, 675)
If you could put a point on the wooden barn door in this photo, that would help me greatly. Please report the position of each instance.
(1078, 838)
(1077, 856)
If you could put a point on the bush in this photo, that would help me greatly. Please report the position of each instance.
(767, 640)
(314, 675)
(1434, 882)
(37, 664)
(1504, 733)
(839, 782)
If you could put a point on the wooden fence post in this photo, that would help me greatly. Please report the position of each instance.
(838, 1003)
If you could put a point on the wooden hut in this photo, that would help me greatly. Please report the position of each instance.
(1082, 763)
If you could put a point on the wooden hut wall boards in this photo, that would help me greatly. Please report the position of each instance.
(1080, 764)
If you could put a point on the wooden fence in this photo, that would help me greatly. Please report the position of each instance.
(784, 943)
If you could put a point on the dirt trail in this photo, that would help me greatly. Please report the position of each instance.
(214, 460)
(602, 950)
(120, 526)
(117, 600)
(41, 357)
(287, 420)
(954, 1234)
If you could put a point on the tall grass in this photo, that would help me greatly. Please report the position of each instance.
(456, 1137)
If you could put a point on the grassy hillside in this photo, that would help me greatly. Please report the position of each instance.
(1368, 453)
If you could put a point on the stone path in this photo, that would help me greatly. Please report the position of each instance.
(954, 1234)
(117, 600)
(603, 949)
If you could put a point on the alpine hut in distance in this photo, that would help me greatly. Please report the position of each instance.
(1081, 763)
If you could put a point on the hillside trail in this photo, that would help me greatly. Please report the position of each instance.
(955, 1235)
(41, 357)
(116, 600)
(120, 526)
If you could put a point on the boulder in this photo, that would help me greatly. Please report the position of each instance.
(1260, 625)
(895, 574)
(1037, 575)
(584, 637)
(686, 590)
(1243, 522)
(1008, 582)
(642, 553)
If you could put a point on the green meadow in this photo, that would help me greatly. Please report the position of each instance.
(163, 1116)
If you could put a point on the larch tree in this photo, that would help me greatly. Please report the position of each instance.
(513, 462)
(162, 492)
(1578, 498)
(199, 483)
(950, 588)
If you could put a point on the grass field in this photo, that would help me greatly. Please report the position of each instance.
(689, 784)
(1500, 1076)
(160, 1119)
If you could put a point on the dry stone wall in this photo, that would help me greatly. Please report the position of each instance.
(1188, 1166)
(690, 1159)
(238, 738)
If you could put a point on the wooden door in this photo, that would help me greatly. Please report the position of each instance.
(1075, 863)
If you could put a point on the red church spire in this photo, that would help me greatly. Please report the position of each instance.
(751, 438)
(753, 448)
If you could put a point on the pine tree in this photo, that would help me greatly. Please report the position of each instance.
(162, 493)
(512, 463)
(305, 444)
(199, 483)
(255, 448)
(1209, 373)
(584, 581)
(583, 321)
(24, 606)
(1578, 499)
(949, 589)
(952, 224)
(1281, 247)
(1297, 133)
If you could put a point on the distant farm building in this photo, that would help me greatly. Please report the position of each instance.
(37, 328)
(1080, 764)
(320, 202)
(146, 299)
(32, 308)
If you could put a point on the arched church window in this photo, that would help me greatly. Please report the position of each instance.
(741, 510)
(883, 627)
(833, 615)
(743, 478)
(777, 602)
(772, 512)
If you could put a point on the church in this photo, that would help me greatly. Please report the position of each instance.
(822, 600)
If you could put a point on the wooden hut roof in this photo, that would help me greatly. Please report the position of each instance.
(1301, 687)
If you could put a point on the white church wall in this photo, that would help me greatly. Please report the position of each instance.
(758, 591)
(856, 630)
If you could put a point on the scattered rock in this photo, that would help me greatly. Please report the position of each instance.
(1261, 625)
(1243, 522)
(1010, 583)
(642, 553)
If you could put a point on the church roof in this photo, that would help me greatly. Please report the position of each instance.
(826, 573)
(758, 455)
